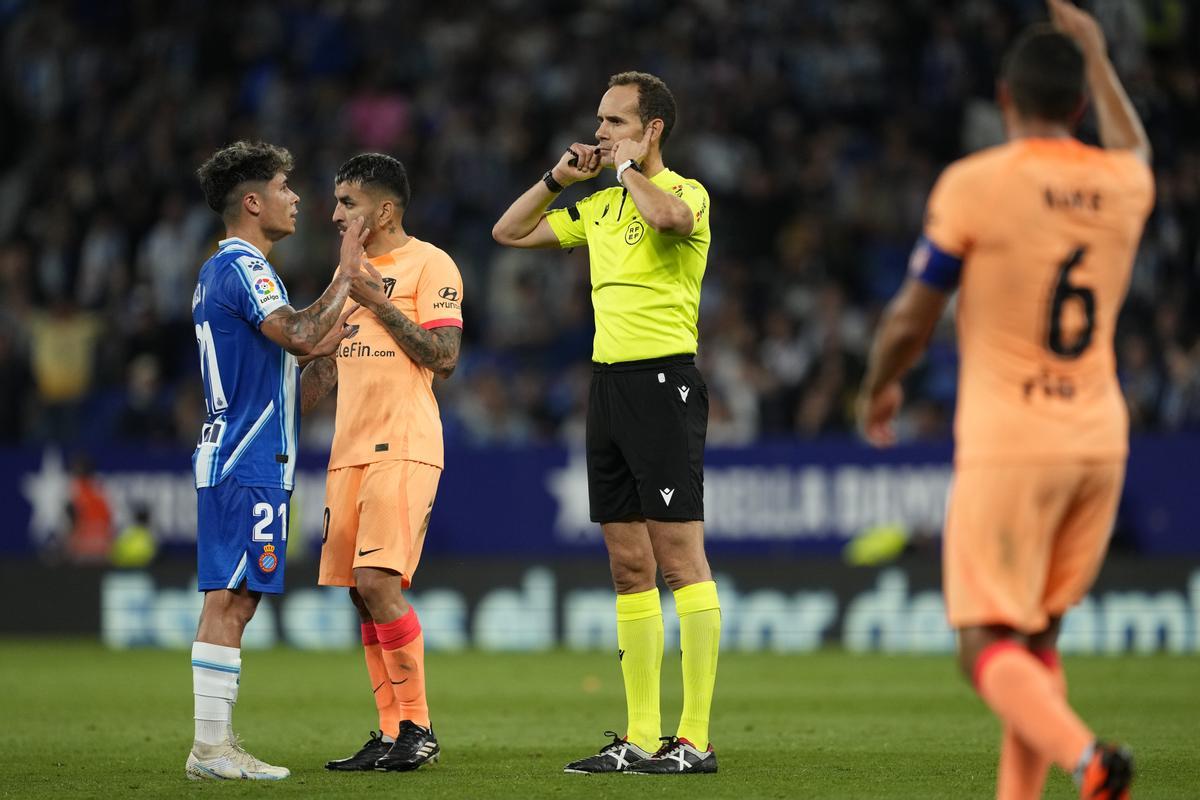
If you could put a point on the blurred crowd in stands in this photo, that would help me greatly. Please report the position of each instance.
(818, 127)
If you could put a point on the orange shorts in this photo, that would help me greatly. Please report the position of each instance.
(376, 515)
(1024, 542)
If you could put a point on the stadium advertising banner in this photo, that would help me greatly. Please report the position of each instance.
(1137, 606)
(795, 499)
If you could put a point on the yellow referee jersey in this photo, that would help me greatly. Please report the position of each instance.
(645, 285)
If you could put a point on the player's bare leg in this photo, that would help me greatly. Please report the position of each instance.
(216, 668)
(1018, 686)
(225, 615)
(1022, 771)
(377, 744)
(679, 551)
(403, 649)
(1109, 772)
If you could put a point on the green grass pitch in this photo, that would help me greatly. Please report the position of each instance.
(82, 721)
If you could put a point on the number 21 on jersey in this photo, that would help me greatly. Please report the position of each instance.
(265, 515)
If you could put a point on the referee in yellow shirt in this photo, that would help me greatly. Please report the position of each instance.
(647, 239)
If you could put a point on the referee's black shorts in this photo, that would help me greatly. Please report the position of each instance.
(646, 425)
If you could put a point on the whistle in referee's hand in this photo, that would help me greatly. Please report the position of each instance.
(573, 161)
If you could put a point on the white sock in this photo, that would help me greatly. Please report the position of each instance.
(215, 674)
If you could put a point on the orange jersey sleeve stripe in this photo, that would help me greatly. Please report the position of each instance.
(442, 323)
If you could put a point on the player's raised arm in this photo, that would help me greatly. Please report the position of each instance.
(1120, 126)
(524, 224)
(301, 332)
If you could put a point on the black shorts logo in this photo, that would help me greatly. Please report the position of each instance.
(633, 234)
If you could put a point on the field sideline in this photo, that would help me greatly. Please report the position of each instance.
(82, 721)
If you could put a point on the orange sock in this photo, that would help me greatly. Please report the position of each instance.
(1023, 770)
(1016, 686)
(403, 651)
(385, 699)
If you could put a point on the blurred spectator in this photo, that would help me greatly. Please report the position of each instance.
(90, 518)
(62, 356)
(146, 411)
(817, 126)
(135, 546)
(14, 372)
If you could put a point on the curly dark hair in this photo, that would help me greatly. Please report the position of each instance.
(378, 170)
(236, 164)
(655, 100)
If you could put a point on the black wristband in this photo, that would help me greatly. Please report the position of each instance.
(551, 184)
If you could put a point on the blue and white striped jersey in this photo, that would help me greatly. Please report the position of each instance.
(251, 384)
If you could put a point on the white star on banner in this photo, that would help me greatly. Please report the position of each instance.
(47, 492)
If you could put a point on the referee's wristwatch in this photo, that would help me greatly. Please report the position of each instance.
(630, 164)
(551, 184)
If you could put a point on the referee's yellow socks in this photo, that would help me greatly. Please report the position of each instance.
(640, 645)
(699, 639)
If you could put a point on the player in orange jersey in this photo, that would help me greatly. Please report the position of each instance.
(1038, 236)
(387, 449)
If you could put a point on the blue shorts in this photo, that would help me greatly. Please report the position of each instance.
(241, 536)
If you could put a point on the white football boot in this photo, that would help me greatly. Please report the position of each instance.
(228, 761)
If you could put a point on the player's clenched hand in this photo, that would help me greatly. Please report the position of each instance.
(366, 287)
(1079, 25)
(352, 252)
(876, 413)
(632, 149)
(586, 158)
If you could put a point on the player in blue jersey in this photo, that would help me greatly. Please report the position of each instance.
(249, 339)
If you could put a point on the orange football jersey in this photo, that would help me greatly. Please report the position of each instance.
(1047, 231)
(385, 406)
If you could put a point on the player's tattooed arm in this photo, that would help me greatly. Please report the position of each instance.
(435, 349)
(317, 379)
(301, 332)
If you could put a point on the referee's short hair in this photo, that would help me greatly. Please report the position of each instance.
(655, 100)
(1044, 71)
